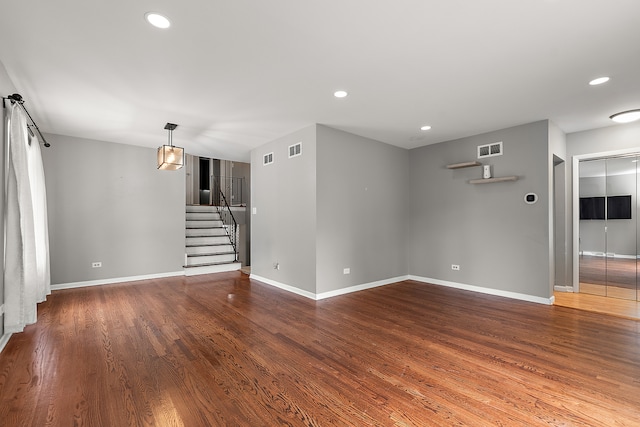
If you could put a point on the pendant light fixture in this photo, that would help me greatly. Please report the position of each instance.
(626, 116)
(169, 157)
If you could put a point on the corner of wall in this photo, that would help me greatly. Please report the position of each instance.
(361, 211)
(283, 217)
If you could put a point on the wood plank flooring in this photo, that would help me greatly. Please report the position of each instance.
(599, 304)
(221, 350)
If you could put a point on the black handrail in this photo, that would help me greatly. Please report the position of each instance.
(226, 215)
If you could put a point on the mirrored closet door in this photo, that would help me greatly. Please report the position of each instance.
(608, 227)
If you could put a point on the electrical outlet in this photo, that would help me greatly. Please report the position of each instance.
(455, 267)
(346, 270)
(96, 264)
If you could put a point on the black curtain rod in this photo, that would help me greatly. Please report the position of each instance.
(17, 98)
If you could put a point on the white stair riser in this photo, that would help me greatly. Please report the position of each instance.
(209, 249)
(202, 208)
(213, 240)
(194, 271)
(208, 259)
(206, 232)
(202, 215)
(205, 224)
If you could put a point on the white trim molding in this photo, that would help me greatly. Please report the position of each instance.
(328, 294)
(282, 286)
(4, 340)
(489, 291)
(114, 280)
(361, 287)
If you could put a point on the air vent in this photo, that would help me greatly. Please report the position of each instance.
(267, 159)
(490, 150)
(295, 150)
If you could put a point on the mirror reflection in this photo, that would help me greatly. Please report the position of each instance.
(608, 239)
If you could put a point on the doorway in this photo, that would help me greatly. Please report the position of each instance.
(608, 229)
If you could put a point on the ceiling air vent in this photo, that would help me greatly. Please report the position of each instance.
(490, 150)
(295, 150)
(267, 159)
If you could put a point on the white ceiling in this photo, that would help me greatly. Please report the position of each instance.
(236, 74)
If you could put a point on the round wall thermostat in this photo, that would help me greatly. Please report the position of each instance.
(530, 198)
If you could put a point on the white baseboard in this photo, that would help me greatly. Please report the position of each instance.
(282, 286)
(489, 291)
(328, 294)
(559, 288)
(361, 287)
(114, 280)
(4, 340)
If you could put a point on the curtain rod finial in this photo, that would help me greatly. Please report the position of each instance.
(15, 97)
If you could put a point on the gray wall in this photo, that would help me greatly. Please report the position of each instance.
(386, 212)
(362, 206)
(283, 230)
(617, 137)
(107, 202)
(499, 241)
(6, 88)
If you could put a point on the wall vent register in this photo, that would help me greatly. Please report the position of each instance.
(490, 150)
(267, 159)
(295, 150)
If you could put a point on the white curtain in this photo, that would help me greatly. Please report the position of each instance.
(26, 269)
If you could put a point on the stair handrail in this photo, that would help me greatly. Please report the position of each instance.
(223, 211)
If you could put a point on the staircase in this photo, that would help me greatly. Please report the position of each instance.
(208, 247)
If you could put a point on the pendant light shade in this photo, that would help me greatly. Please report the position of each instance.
(170, 157)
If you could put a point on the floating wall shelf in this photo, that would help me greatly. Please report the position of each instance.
(490, 180)
(463, 165)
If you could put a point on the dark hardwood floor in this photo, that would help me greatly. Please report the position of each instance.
(221, 350)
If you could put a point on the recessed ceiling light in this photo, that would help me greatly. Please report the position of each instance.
(157, 20)
(626, 116)
(599, 81)
(340, 94)
(425, 127)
